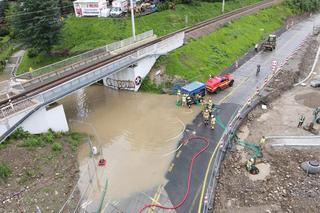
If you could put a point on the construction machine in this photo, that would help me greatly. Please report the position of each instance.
(271, 43)
(315, 120)
(255, 152)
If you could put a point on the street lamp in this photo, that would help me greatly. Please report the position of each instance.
(132, 21)
(222, 10)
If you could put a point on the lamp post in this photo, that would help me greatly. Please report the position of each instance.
(132, 21)
(222, 10)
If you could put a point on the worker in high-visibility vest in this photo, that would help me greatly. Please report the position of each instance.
(262, 142)
(206, 116)
(30, 69)
(213, 122)
(178, 98)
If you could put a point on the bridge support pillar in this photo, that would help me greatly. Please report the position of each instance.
(50, 117)
(131, 78)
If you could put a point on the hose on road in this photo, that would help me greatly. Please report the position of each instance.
(193, 138)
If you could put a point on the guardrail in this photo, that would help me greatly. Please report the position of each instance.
(81, 59)
(231, 127)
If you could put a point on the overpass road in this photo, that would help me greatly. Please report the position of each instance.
(173, 190)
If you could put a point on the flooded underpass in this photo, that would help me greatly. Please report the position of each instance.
(136, 133)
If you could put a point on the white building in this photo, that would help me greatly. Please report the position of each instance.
(91, 8)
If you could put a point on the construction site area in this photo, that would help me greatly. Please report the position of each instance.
(282, 185)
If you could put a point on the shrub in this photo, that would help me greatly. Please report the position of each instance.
(56, 147)
(4, 32)
(32, 142)
(5, 171)
(20, 134)
(303, 5)
(33, 53)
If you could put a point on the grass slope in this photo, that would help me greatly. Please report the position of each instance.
(211, 54)
(81, 34)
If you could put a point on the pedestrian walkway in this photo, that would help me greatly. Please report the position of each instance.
(14, 62)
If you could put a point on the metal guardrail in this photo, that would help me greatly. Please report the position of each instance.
(227, 135)
(84, 58)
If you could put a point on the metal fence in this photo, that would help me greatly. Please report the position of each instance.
(81, 59)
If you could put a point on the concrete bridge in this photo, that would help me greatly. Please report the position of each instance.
(120, 65)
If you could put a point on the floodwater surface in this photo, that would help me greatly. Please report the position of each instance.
(136, 133)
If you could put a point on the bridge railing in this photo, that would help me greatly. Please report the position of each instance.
(13, 108)
(81, 59)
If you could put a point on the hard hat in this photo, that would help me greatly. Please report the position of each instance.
(212, 116)
(251, 159)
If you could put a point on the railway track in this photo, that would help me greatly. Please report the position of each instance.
(217, 20)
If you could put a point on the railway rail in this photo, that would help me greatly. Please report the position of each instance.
(29, 93)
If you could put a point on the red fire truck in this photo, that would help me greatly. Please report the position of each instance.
(217, 83)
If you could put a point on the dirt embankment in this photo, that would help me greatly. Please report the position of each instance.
(282, 186)
(40, 177)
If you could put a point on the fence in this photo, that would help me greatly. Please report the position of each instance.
(230, 129)
(81, 59)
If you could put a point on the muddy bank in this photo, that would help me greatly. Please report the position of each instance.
(39, 177)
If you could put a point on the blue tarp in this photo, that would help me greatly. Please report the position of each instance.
(193, 88)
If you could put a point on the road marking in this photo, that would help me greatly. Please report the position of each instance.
(206, 176)
(194, 200)
(232, 91)
(178, 154)
(154, 198)
(171, 167)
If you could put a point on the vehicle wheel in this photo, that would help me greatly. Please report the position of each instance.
(231, 83)
(218, 90)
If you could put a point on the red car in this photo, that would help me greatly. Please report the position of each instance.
(218, 83)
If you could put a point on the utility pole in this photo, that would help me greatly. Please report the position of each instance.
(222, 10)
(132, 21)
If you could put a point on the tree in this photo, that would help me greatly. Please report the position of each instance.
(3, 7)
(304, 5)
(37, 24)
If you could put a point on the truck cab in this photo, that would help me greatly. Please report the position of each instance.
(217, 83)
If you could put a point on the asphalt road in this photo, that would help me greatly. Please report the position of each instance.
(246, 82)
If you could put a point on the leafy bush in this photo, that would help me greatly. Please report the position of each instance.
(300, 6)
(148, 86)
(56, 147)
(5, 171)
(20, 134)
(32, 53)
(32, 142)
(4, 32)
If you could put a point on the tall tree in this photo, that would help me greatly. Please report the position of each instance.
(37, 23)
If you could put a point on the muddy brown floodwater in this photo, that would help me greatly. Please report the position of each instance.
(136, 133)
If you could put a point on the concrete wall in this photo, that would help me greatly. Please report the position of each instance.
(45, 118)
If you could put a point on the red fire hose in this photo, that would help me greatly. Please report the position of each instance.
(189, 177)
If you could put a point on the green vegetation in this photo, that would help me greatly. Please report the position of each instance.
(300, 6)
(82, 34)
(5, 171)
(38, 28)
(37, 61)
(56, 147)
(149, 86)
(40, 140)
(211, 54)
